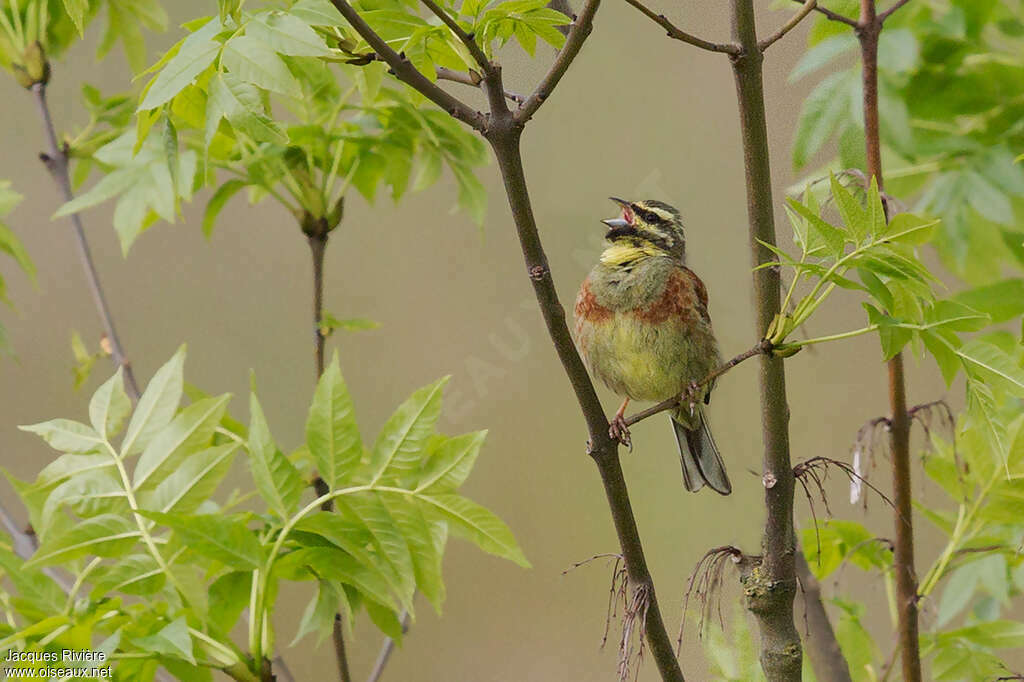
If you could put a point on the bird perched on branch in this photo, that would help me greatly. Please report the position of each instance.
(643, 328)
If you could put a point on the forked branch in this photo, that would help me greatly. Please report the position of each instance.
(465, 38)
(407, 73)
(809, 5)
(578, 33)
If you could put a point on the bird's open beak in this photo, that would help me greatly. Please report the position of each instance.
(627, 215)
(615, 222)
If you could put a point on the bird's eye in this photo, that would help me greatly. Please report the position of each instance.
(649, 216)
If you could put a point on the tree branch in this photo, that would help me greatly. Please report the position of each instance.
(503, 130)
(407, 73)
(770, 589)
(870, 26)
(789, 25)
(822, 647)
(581, 28)
(565, 8)
(504, 136)
(764, 346)
(834, 16)
(887, 13)
(464, 38)
(56, 161)
(678, 34)
(385, 652)
(473, 79)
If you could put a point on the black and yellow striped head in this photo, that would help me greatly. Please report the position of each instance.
(645, 228)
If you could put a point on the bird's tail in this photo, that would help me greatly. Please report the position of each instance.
(702, 464)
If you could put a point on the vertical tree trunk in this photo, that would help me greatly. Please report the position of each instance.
(868, 31)
(771, 585)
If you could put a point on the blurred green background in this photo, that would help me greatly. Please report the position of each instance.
(638, 116)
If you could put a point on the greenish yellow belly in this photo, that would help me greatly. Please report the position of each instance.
(645, 361)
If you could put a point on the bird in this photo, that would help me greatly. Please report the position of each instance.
(642, 327)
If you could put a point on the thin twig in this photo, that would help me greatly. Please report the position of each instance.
(56, 161)
(763, 347)
(789, 25)
(340, 654)
(822, 646)
(406, 72)
(473, 79)
(281, 670)
(578, 32)
(465, 38)
(386, 650)
(834, 16)
(887, 13)
(678, 34)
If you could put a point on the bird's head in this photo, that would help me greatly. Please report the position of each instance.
(645, 228)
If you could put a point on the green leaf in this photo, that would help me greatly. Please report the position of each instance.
(426, 542)
(107, 535)
(451, 462)
(240, 104)
(989, 200)
(331, 431)
(331, 323)
(998, 634)
(830, 235)
(136, 574)
(320, 612)
(958, 591)
(77, 10)
(276, 478)
(36, 591)
(318, 13)
(387, 540)
(89, 494)
(907, 228)
(822, 54)
(157, 405)
(821, 115)
(944, 355)
(66, 435)
(172, 640)
(986, 360)
(398, 450)
(287, 34)
(197, 52)
(217, 201)
(192, 483)
(328, 563)
(191, 430)
(109, 406)
(224, 538)
(254, 62)
(229, 595)
(855, 216)
(1002, 301)
(473, 522)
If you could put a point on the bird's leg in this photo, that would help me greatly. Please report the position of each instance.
(618, 429)
(691, 396)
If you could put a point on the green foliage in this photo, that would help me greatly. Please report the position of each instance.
(267, 98)
(900, 303)
(171, 569)
(12, 247)
(950, 129)
(33, 30)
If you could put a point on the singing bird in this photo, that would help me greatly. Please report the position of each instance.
(643, 328)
